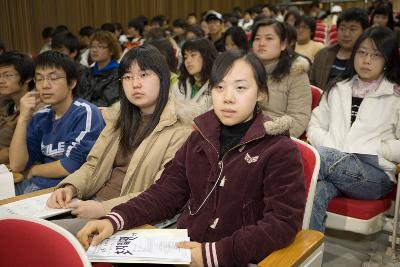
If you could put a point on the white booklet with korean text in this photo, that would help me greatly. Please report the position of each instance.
(33, 207)
(157, 246)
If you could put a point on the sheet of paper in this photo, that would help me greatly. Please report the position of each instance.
(142, 246)
(34, 207)
(6, 183)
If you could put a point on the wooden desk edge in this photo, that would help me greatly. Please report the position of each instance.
(305, 243)
(28, 195)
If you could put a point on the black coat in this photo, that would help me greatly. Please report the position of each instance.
(102, 89)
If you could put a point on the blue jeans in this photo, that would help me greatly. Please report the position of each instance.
(26, 186)
(345, 174)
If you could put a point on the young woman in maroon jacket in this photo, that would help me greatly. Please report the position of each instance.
(238, 180)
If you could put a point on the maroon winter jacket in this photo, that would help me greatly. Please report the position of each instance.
(241, 208)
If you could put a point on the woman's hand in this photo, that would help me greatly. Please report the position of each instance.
(101, 228)
(89, 209)
(195, 249)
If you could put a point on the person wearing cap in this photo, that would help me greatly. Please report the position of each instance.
(331, 61)
(214, 21)
(332, 18)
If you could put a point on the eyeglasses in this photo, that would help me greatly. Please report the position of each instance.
(141, 76)
(8, 76)
(52, 78)
(372, 55)
(98, 47)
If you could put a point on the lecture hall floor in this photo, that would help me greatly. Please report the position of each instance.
(344, 249)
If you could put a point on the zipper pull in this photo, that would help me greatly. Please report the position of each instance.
(222, 183)
(214, 224)
(220, 164)
(242, 148)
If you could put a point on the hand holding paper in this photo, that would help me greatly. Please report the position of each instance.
(103, 229)
(195, 249)
(61, 197)
(144, 246)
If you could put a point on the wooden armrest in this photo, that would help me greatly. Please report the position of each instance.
(28, 195)
(304, 245)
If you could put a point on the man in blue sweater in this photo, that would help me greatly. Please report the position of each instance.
(55, 141)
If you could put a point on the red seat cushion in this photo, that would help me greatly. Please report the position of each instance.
(360, 209)
(35, 245)
(308, 159)
(316, 96)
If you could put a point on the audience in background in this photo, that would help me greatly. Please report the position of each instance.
(99, 84)
(55, 141)
(191, 19)
(179, 26)
(289, 96)
(66, 43)
(193, 32)
(382, 16)
(305, 44)
(84, 38)
(331, 61)
(215, 23)
(291, 17)
(247, 21)
(47, 33)
(164, 46)
(235, 38)
(16, 79)
(195, 71)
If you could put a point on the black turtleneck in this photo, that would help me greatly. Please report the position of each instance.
(231, 135)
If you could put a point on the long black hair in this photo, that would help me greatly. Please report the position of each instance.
(148, 58)
(385, 41)
(238, 37)
(385, 10)
(207, 52)
(287, 56)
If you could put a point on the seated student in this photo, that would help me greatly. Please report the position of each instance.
(192, 86)
(54, 142)
(305, 46)
(16, 74)
(165, 47)
(66, 43)
(135, 34)
(382, 16)
(331, 61)
(289, 88)
(239, 186)
(84, 38)
(356, 127)
(178, 29)
(99, 84)
(193, 32)
(235, 38)
(47, 33)
(138, 140)
(215, 28)
(291, 17)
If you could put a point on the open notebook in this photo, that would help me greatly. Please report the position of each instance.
(155, 246)
(33, 206)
